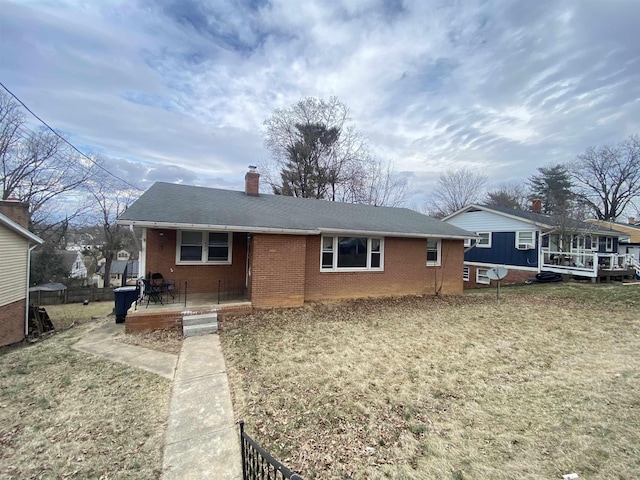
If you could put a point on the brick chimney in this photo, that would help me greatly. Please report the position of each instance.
(536, 205)
(16, 210)
(252, 182)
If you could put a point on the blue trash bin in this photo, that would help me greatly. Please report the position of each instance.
(124, 298)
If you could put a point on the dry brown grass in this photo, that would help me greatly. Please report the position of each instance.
(167, 341)
(546, 383)
(66, 414)
(67, 315)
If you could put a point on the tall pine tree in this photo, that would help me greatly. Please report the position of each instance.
(553, 186)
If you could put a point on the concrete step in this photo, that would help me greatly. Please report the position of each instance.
(201, 319)
(194, 330)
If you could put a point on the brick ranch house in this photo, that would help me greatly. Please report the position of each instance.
(16, 243)
(283, 251)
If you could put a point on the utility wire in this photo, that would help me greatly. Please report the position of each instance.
(67, 141)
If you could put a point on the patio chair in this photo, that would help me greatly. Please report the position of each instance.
(152, 291)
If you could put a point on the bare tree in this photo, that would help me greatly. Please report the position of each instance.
(317, 153)
(456, 189)
(377, 184)
(35, 167)
(608, 177)
(108, 203)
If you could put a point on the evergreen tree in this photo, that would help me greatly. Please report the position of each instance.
(553, 186)
(306, 173)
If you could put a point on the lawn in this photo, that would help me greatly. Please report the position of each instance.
(67, 414)
(543, 384)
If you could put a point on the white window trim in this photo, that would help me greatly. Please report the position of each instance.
(465, 274)
(608, 241)
(205, 249)
(531, 244)
(438, 262)
(480, 245)
(484, 280)
(335, 268)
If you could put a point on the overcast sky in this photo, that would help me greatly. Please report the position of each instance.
(178, 90)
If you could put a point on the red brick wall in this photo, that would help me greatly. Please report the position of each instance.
(16, 211)
(278, 270)
(405, 272)
(12, 322)
(161, 257)
(514, 277)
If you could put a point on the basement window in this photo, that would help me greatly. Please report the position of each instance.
(196, 247)
(481, 276)
(351, 253)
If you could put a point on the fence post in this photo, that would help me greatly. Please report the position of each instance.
(244, 466)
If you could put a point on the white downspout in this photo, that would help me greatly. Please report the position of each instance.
(26, 308)
(142, 259)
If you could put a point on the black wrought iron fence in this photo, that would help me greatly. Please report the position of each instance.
(257, 464)
(229, 290)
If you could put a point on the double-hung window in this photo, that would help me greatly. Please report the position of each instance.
(351, 253)
(433, 252)
(608, 244)
(525, 240)
(484, 241)
(203, 247)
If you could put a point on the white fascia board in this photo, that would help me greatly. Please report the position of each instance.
(220, 228)
(283, 231)
(508, 267)
(10, 224)
(489, 209)
(372, 233)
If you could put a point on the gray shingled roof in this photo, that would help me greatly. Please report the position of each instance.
(118, 266)
(546, 220)
(181, 206)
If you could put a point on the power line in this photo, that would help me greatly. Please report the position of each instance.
(67, 141)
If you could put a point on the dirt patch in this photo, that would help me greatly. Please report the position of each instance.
(167, 341)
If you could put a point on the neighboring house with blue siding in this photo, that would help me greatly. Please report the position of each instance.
(527, 242)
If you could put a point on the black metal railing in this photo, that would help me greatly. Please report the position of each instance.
(231, 290)
(257, 464)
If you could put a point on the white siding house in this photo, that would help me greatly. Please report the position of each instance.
(16, 243)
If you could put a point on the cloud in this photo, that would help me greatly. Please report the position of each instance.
(179, 89)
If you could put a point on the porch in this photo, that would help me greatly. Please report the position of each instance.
(597, 266)
(169, 313)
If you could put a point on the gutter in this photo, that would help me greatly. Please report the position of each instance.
(223, 228)
(284, 231)
(396, 234)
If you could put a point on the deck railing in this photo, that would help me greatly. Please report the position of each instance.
(257, 464)
(584, 263)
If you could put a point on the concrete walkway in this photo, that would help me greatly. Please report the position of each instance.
(101, 341)
(202, 440)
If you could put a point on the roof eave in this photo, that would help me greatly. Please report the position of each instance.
(228, 228)
(11, 225)
(396, 234)
(285, 231)
(503, 214)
